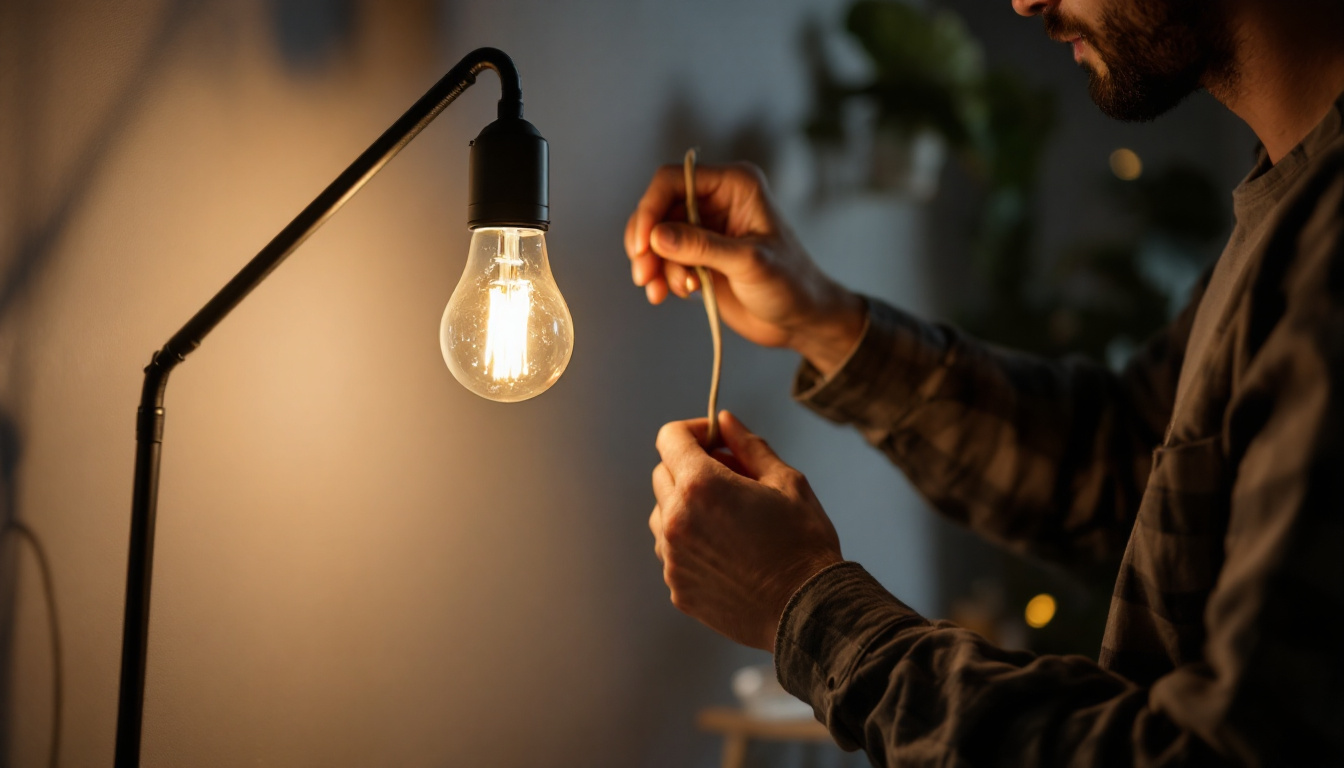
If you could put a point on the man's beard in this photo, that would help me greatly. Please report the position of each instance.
(1156, 52)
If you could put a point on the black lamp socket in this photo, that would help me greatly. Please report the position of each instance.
(508, 179)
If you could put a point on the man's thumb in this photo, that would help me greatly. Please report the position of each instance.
(695, 246)
(754, 454)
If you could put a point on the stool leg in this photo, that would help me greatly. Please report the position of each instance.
(734, 750)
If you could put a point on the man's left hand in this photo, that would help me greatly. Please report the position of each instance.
(737, 532)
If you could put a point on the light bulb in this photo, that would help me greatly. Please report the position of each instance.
(507, 334)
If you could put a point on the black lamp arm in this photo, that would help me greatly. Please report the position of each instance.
(149, 420)
(444, 92)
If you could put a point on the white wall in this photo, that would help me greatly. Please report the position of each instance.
(360, 563)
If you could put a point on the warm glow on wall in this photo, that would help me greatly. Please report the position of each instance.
(506, 334)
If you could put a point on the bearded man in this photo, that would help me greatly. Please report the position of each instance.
(1214, 462)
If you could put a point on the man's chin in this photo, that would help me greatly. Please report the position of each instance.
(1131, 100)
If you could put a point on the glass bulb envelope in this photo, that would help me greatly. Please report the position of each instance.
(507, 334)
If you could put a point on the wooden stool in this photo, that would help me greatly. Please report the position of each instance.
(739, 728)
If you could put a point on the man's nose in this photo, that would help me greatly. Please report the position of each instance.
(1031, 7)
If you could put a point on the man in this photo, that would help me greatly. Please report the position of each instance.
(1214, 462)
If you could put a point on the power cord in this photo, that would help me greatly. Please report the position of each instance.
(711, 305)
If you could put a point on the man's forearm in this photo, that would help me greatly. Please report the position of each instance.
(986, 435)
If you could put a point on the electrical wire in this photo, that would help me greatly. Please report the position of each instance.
(23, 532)
(711, 305)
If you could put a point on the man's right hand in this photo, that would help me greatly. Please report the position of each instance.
(769, 290)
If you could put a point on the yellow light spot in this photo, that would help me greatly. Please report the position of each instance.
(1040, 610)
(1126, 165)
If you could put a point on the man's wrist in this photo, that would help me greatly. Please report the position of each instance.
(828, 343)
(796, 588)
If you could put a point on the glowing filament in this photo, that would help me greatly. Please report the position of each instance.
(506, 326)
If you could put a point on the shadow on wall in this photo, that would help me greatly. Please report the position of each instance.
(752, 140)
(310, 34)
(16, 535)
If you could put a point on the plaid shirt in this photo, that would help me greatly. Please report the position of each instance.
(1226, 629)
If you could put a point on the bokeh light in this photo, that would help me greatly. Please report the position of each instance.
(1126, 164)
(1040, 610)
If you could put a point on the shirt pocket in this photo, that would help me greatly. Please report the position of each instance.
(1175, 552)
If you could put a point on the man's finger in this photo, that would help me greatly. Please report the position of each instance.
(629, 238)
(696, 246)
(663, 484)
(681, 444)
(719, 187)
(656, 528)
(656, 290)
(665, 191)
(676, 276)
(645, 268)
(756, 456)
(727, 459)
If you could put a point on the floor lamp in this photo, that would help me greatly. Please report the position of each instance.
(506, 333)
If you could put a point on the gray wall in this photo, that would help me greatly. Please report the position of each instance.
(360, 563)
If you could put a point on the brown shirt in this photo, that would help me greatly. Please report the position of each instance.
(1253, 203)
(1224, 635)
